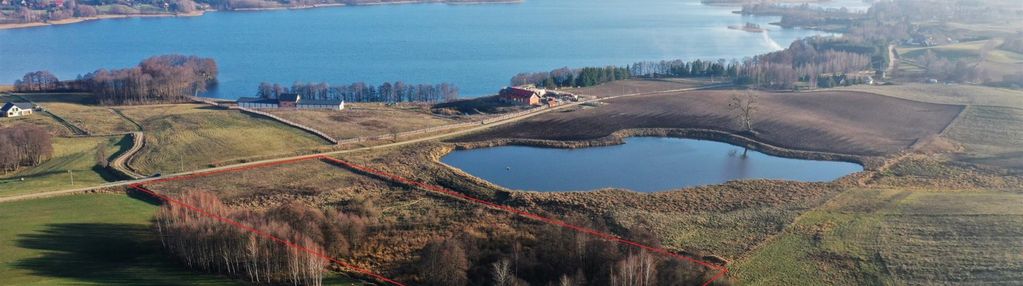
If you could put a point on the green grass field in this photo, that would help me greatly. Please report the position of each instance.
(82, 110)
(191, 136)
(98, 239)
(75, 154)
(894, 236)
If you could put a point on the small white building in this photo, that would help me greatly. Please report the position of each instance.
(14, 109)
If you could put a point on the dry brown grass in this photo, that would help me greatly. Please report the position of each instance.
(636, 86)
(829, 121)
(412, 217)
(991, 136)
(959, 94)
(361, 120)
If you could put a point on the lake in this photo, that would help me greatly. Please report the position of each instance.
(477, 47)
(643, 164)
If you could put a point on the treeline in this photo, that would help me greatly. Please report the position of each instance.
(803, 15)
(159, 79)
(361, 92)
(166, 78)
(24, 145)
(806, 60)
(954, 70)
(38, 81)
(565, 77)
(552, 256)
(209, 245)
(814, 62)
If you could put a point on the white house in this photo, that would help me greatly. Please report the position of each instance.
(14, 109)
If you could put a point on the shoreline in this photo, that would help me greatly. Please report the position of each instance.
(203, 12)
(95, 18)
(869, 163)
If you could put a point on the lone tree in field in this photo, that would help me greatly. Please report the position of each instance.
(744, 106)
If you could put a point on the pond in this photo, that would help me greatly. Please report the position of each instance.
(643, 164)
(477, 47)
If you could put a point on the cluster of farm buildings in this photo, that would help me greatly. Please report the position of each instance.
(535, 96)
(290, 101)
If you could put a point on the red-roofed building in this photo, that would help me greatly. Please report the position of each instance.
(520, 95)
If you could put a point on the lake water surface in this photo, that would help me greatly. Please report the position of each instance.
(644, 164)
(477, 47)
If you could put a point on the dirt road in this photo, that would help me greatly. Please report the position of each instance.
(340, 152)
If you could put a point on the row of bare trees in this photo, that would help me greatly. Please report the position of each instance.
(24, 145)
(37, 81)
(806, 60)
(210, 245)
(361, 92)
(552, 256)
(166, 78)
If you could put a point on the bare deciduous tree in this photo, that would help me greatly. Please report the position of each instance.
(744, 107)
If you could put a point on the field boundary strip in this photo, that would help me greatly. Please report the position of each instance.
(428, 187)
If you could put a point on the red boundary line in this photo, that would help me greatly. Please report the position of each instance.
(429, 187)
(267, 235)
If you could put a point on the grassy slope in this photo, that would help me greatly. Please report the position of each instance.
(947, 94)
(86, 240)
(885, 236)
(195, 136)
(82, 110)
(991, 135)
(75, 154)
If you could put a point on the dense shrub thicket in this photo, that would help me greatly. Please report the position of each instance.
(24, 145)
(209, 245)
(165, 78)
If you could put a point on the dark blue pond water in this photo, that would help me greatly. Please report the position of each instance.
(477, 47)
(644, 164)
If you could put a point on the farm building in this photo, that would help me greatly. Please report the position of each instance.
(290, 101)
(519, 95)
(14, 109)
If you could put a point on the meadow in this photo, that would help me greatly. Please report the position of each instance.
(75, 156)
(884, 236)
(95, 239)
(82, 110)
(361, 120)
(180, 137)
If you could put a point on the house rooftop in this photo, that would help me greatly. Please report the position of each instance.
(320, 102)
(293, 97)
(22, 105)
(516, 92)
